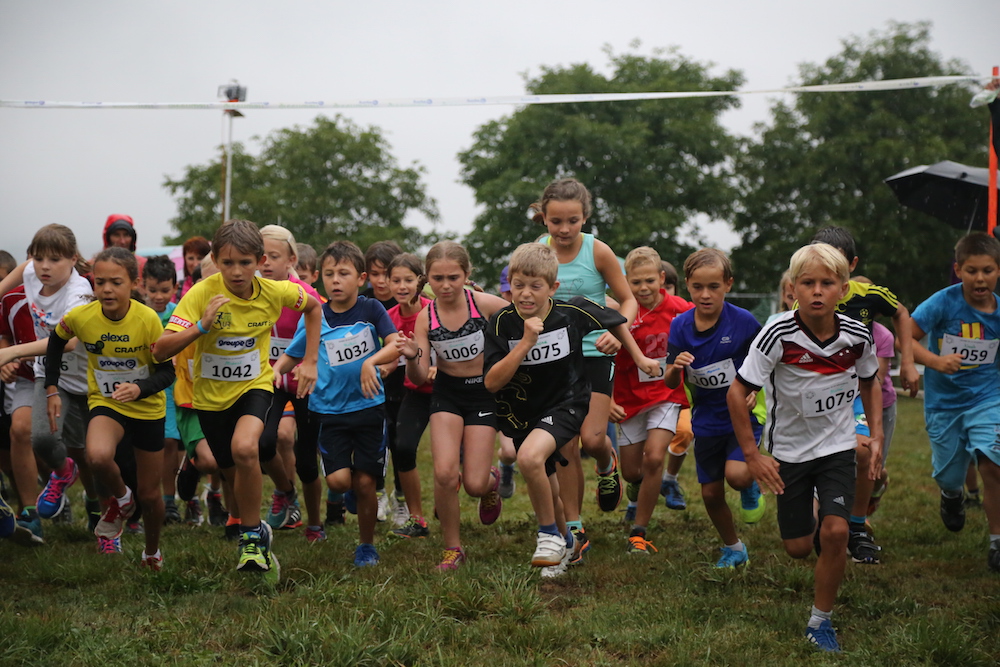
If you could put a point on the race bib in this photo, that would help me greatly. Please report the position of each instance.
(645, 377)
(231, 368)
(974, 351)
(278, 346)
(122, 370)
(357, 346)
(460, 349)
(549, 347)
(714, 376)
(191, 368)
(837, 394)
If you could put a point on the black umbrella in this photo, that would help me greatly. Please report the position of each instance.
(951, 192)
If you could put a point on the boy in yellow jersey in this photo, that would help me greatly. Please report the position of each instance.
(230, 315)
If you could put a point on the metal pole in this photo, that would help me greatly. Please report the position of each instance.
(991, 211)
(229, 167)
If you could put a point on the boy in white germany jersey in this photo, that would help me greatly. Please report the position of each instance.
(810, 363)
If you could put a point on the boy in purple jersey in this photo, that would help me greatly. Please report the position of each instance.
(809, 362)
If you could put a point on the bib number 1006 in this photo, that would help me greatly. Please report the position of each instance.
(462, 353)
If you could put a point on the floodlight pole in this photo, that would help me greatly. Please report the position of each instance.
(229, 167)
(991, 211)
(231, 93)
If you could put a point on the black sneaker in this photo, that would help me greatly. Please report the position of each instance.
(953, 512)
(863, 548)
(993, 558)
(93, 512)
(232, 532)
(217, 514)
(609, 486)
(334, 513)
(170, 513)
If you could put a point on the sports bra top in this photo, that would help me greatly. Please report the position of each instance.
(463, 344)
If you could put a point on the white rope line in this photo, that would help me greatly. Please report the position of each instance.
(398, 102)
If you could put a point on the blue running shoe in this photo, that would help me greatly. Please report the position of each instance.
(53, 496)
(752, 504)
(824, 637)
(731, 558)
(673, 496)
(28, 532)
(365, 555)
(630, 512)
(351, 501)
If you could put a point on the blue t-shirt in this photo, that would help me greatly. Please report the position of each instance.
(975, 385)
(346, 340)
(718, 354)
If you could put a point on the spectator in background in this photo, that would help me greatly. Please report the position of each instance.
(194, 250)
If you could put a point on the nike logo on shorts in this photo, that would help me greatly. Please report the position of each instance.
(485, 414)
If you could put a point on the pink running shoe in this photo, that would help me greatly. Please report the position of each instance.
(53, 497)
(451, 559)
(491, 504)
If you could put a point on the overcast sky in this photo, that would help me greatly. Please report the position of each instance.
(77, 166)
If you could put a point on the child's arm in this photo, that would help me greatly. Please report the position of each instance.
(648, 366)
(307, 372)
(416, 350)
(672, 376)
(947, 364)
(617, 413)
(284, 364)
(171, 342)
(501, 372)
(763, 468)
(53, 367)
(35, 348)
(909, 378)
(871, 399)
(370, 379)
(162, 377)
(14, 279)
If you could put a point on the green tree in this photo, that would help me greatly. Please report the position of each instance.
(332, 180)
(822, 159)
(651, 166)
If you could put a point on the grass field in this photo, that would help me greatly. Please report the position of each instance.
(931, 602)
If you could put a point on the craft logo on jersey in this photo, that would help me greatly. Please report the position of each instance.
(223, 320)
(115, 364)
(235, 344)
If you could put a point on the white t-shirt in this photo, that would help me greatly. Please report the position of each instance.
(809, 385)
(46, 311)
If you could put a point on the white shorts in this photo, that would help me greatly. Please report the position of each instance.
(20, 394)
(634, 429)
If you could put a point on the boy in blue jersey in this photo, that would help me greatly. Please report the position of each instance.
(349, 396)
(708, 344)
(962, 382)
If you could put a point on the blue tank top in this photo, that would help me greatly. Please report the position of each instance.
(580, 277)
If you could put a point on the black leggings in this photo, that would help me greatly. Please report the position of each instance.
(306, 437)
(414, 415)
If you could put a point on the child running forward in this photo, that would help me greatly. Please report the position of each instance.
(708, 343)
(125, 394)
(646, 409)
(810, 363)
(230, 315)
(463, 419)
(962, 383)
(349, 397)
(534, 354)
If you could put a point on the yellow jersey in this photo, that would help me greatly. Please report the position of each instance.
(117, 352)
(232, 358)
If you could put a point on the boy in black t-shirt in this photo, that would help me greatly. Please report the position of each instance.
(533, 363)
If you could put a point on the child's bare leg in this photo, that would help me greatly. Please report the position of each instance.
(149, 473)
(571, 480)
(714, 495)
(247, 481)
(364, 489)
(446, 443)
(536, 448)
(655, 450)
(990, 472)
(477, 443)
(831, 563)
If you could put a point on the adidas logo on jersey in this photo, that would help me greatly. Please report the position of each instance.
(547, 420)
(806, 358)
(839, 500)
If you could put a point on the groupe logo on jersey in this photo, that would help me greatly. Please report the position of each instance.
(111, 363)
(235, 343)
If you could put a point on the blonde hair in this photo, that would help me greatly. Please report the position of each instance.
(534, 260)
(278, 233)
(708, 257)
(822, 255)
(786, 281)
(640, 256)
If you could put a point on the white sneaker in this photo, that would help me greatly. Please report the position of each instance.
(400, 514)
(383, 506)
(550, 551)
(554, 571)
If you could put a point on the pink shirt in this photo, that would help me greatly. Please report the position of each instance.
(885, 348)
(284, 330)
(405, 326)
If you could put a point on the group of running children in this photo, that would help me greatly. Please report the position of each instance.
(96, 381)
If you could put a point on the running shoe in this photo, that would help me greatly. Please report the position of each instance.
(876, 498)
(314, 535)
(863, 548)
(170, 513)
(673, 495)
(217, 514)
(630, 512)
(53, 497)
(193, 515)
(280, 513)
(507, 482)
(632, 491)
(334, 513)
(638, 545)
(365, 555)
(731, 558)
(752, 504)
(109, 545)
(382, 506)
(415, 526)
(27, 529)
(609, 486)
(113, 520)
(993, 557)
(65, 515)
(400, 512)
(93, 511)
(451, 559)
(134, 528)
(350, 501)
(581, 545)
(255, 550)
(549, 550)
(491, 504)
(953, 512)
(232, 532)
(294, 516)
(973, 501)
(824, 637)
(152, 563)
(553, 571)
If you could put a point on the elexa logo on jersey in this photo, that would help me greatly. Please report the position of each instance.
(115, 338)
(116, 363)
(231, 343)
